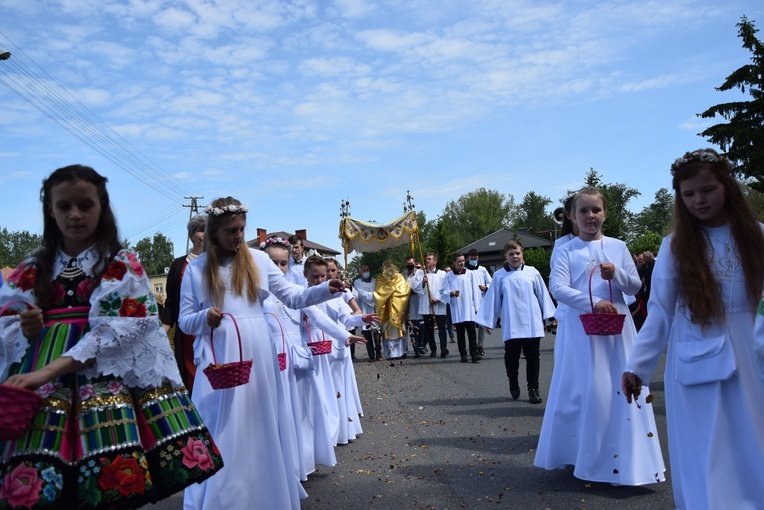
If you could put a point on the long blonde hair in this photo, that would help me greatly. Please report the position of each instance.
(244, 270)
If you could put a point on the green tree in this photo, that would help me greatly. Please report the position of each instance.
(477, 214)
(156, 254)
(539, 258)
(655, 217)
(531, 213)
(649, 241)
(617, 196)
(17, 245)
(755, 200)
(742, 137)
(442, 242)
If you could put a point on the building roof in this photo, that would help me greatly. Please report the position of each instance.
(262, 235)
(494, 242)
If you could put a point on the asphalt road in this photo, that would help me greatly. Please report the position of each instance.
(440, 434)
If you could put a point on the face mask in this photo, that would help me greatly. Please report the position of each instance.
(410, 266)
(473, 263)
(365, 275)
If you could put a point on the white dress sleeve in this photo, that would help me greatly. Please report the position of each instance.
(560, 281)
(491, 306)
(652, 339)
(13, 343)
(126, 338)
(542, 294)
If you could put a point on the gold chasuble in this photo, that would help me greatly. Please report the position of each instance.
(391, 296)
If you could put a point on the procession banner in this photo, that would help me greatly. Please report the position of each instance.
(365, 237)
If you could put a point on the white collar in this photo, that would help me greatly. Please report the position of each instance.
(85, 261)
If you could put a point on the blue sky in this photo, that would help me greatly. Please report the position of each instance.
(294, 106)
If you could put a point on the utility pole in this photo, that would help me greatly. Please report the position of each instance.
(194, 209)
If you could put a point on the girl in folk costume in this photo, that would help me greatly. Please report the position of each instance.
(309, 410)
(586, 423)
(706, 283)
(520, 298)
(116, 428)
(230, 278)
(337, 388)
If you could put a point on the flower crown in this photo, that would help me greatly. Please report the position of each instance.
(699, 155)
(274, 240)
(226, 209)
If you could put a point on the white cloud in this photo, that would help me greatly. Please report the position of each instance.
(174, 21)
(354, 8)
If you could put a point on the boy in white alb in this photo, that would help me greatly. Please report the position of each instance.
(459, 291)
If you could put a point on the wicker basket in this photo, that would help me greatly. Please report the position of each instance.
(282, 357)
(18, 407)
(320, 347)
(601, 324)
(228, 375)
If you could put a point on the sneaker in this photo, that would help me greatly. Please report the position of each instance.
(534, 397)
(433, 354)
(464, 358)
(481, 352)
(443, 354)
(514, 389)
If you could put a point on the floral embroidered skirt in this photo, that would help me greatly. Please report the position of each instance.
(95, 443)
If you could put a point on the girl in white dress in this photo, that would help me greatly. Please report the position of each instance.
(249, 422)
(586, 423)
(707, 281)
(313, 435)
(340, 393)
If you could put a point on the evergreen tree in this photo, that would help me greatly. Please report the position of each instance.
(742, 137)
(531, 213)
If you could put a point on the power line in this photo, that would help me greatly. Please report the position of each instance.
(77, 119)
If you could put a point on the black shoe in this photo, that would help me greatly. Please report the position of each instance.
(371, 360)
(416, 355)
(515, 393)
(534, 397)
(433, 354)
(476, 359)
(481, 352)
(444, 353)
(464, 358)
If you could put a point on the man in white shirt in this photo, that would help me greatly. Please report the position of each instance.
(432, 308)
(482, 281)
(296, 272)
(364, 287)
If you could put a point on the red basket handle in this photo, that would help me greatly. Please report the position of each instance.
(238, 336)
(10, 304)
(307, 327)
(610, 286)
(283, 342)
